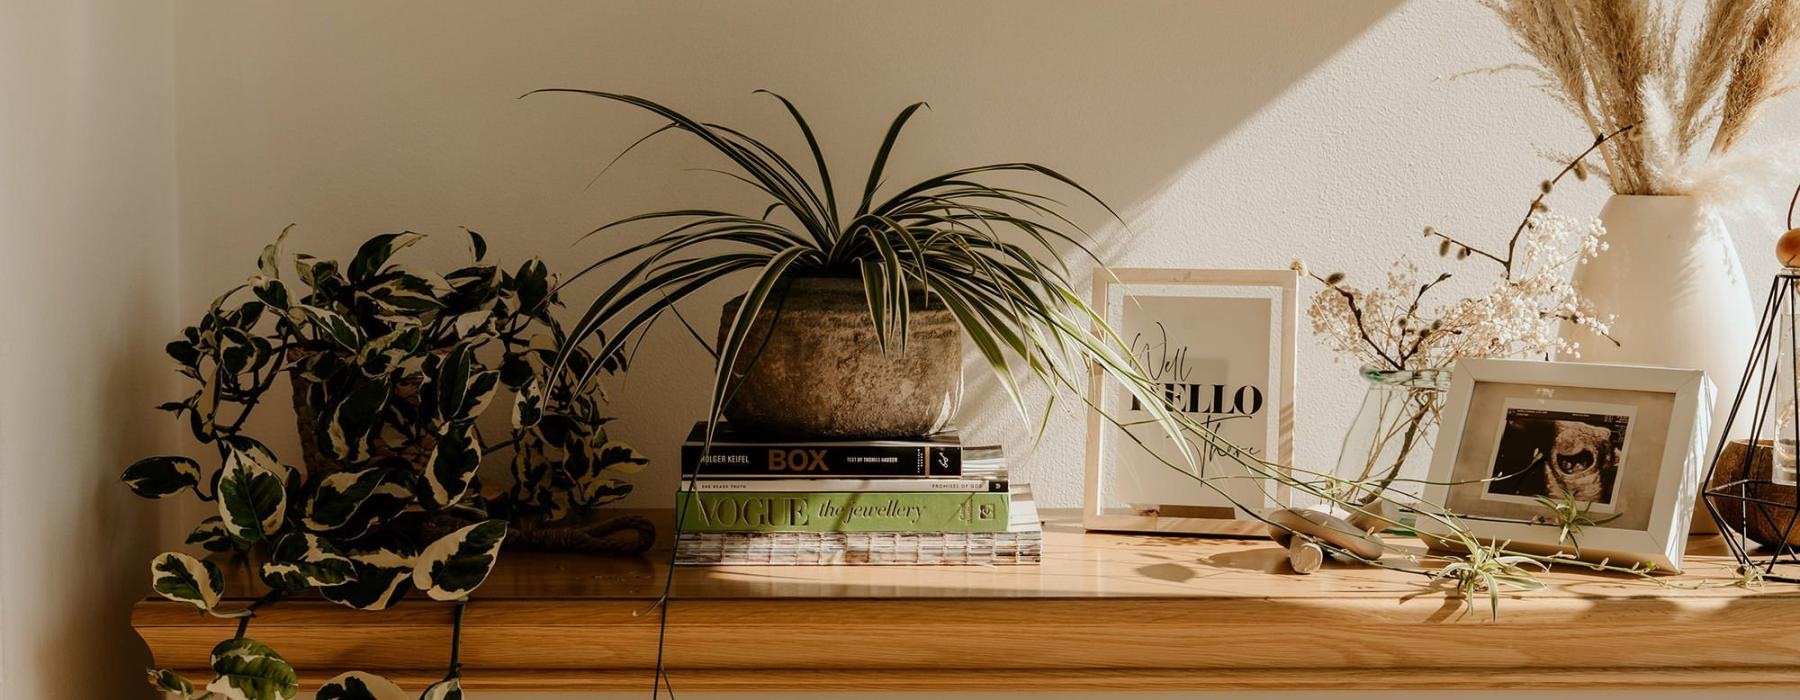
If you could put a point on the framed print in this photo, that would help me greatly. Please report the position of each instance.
(1624, 444)
(1221, 344)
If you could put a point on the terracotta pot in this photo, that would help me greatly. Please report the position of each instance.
(811, 366)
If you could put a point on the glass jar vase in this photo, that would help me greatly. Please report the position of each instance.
(1386, 455)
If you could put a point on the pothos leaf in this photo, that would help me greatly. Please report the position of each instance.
(594, 492)
(331, 325)
(211, 535)
(302, 560)
(528, 405)
(314, 272)
(457, 563)
(471, 323)
(477, 245)
(206, 403)
(384, 353)
(451, 382)
(381, 577)
(621, 458)
(266, 263)
(272, 292)
(184, 579)
(480, 392)
(533, 281)
(452, 465)
(252, 495)
(183, 352)
(357, 685)
(170, 683)
(162, 477)
(375, 252)
(447, 689)
(250, 670)
(351, 421)
(408, 294)
(340, 496)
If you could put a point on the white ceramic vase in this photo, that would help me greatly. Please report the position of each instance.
(1672, 278)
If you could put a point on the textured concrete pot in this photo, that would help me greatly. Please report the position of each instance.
(811, 366)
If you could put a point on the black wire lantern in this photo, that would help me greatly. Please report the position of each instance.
(1751, 488)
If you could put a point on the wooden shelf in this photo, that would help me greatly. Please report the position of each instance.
(1102, 611)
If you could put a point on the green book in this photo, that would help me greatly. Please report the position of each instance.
(737, 511)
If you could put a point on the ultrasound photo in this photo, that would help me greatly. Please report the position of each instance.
(1558, 454)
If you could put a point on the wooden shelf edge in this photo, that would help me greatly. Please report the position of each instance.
(1149, 679)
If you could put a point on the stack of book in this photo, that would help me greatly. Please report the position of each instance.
(925, 501)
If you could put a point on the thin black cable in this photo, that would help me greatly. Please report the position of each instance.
(685, 497)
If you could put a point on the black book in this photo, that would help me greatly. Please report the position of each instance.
(739, 456)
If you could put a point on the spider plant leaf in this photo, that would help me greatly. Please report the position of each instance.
(628, 149)
(797, 188)
(875, 290)
(733, 343)
(758, 168)
(670, 287)
(1011, 167)
(881, 156)
(983, 339)
(818, 158)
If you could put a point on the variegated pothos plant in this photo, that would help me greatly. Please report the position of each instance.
(392, 367)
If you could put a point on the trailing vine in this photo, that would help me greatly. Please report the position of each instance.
(392, 369)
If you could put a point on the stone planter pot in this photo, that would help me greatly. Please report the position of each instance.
(811, 366)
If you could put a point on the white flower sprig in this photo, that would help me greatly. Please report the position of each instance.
(1394, 326)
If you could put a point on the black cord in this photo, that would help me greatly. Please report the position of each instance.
(661, 678)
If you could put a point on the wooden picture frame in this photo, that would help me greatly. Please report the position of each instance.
(1627, 442)
(1251, 314)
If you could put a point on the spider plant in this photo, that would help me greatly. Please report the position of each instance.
(991, 254)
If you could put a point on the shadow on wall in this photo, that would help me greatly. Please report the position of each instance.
(301, 112)
(109, 527)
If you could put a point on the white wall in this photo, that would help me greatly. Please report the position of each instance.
(1232, 133)
(87, 295)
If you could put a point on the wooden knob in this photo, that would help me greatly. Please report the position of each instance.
(1305, 555)
(1787, 248)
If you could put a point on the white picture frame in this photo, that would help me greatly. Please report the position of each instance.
(1524, 428)
(1251, 314)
